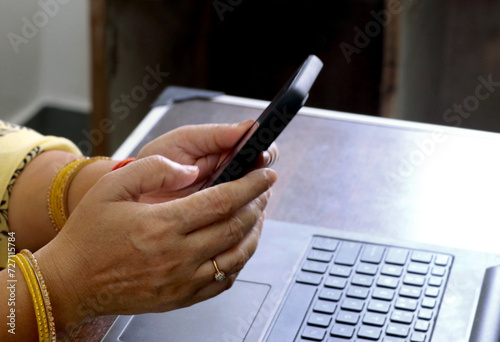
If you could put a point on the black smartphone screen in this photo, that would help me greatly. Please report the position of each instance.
(269, 125)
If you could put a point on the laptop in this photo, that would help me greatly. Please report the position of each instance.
(306, 283)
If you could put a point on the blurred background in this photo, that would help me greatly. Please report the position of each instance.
(90, 69)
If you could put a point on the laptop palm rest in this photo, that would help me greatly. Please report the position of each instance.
(229, 315)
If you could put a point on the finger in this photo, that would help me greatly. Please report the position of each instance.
(146, 175)
(227, 233)
(193, 141)
(268, 157)
(211, 290)
(215, 138)
(216, 203)
(232, 260)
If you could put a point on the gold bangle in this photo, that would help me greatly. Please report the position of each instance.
(45, 294)
(58, 190)
(36, 296)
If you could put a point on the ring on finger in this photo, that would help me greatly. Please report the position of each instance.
(219, 275)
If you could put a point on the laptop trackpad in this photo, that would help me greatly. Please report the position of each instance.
(229, 315)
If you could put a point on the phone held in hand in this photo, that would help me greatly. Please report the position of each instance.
(269, 125)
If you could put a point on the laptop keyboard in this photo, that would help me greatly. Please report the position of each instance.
(366, 292)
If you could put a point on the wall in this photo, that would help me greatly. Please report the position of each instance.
(450, 63)
(44, 57)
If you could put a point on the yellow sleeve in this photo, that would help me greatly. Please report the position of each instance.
(18, 146)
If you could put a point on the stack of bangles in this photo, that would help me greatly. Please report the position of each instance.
(39, 294)
(58, 190)
(27, 263)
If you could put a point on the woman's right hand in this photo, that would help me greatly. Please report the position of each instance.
(118, 256)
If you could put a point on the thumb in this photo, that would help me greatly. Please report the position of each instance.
(147, 175)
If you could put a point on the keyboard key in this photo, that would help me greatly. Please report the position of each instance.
(425, 314)
(421, 256)
(325, 244)
(342, 330)
(374, 319)
(398, 330)
(392, 270)
(373, 254)
(432, 292)
(410, 291)
(399, 316)
(396, 256)
(386, 281)
(435, 281)
(319, 320)
(438, 271)
(442, 260)
(406, 304)
(418, 337)
(379, 306)
(369, 332)
(362, 280)
(353, 304)
(411, 279)
(317, 255)
(429, 303)
(340, 271)
(393, 339)
(422, 325)
(314, 333)
(330, 294)
(314, 266)
(369, 269)
(348, 253)
(357, 292)
(336, 282)
(383, 293)
(347, 317)
(309, 278)
(418, 268)
(325, 306)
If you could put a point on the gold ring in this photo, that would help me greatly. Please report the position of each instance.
(219, 275)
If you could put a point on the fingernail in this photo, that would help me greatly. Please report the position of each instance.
(244, 123)
(272, 176)
(191, 168)
(269, 193)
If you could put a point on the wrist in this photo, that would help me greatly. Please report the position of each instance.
(28, 216)
(66, 286)
(86, 179)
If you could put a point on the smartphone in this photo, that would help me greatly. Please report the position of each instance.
(268, 126)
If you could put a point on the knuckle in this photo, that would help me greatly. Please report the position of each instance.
(261, 203)
(235, 229)
(242, 257)
(222, 202)
(155, 160)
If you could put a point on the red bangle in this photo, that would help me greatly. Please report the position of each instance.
(122, 163)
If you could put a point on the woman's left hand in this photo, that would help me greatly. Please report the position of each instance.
(203, 146)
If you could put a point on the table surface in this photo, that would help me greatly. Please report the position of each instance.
(369, 175)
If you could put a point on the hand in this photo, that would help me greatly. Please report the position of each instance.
(118, 256)
(204, 146)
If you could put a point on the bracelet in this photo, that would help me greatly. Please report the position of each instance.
(122, 163)
(45, 293)
(58, 190)
(39, 295)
